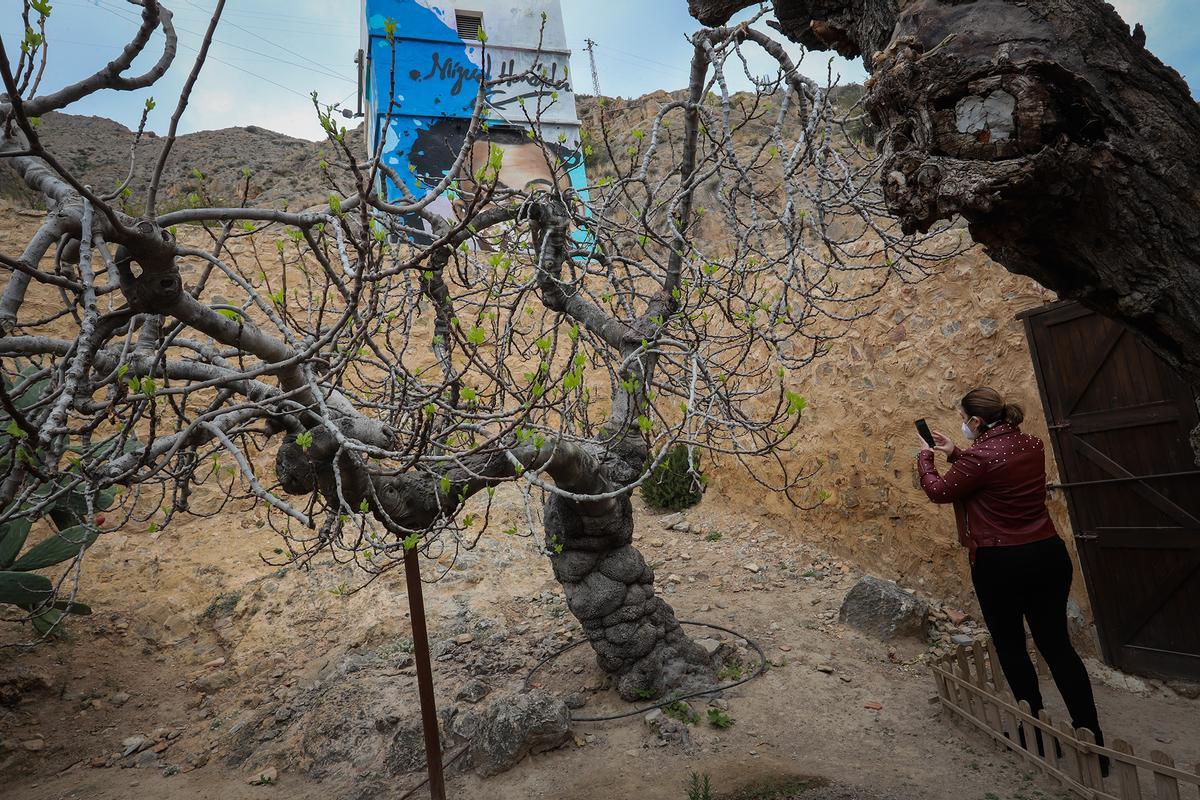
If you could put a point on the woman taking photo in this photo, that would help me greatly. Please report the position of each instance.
(1019, 566)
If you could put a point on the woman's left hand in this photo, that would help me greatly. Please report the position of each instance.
(943, 443)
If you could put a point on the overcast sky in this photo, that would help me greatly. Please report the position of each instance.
(270, 54)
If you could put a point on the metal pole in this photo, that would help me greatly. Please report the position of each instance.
(429, 720)
(1123, 479)
(358, 60)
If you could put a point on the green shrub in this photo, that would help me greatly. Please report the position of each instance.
(19, 585)
(671, 485)
(719, 719)
(683, 712)
(699, 788)
(731, 671)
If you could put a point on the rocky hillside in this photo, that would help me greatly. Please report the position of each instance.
(283, 170)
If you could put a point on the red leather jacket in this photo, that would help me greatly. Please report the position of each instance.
(998, 488)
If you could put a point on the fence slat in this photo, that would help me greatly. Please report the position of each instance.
(1072, 764)
(976, 653)
(997, 721)
(989, 713)
(1165, 786)
(1009, 720)
(1028, 733)
(994, 661)
(1127, 775)
(953, 691)
(1051, 741)
(943, 689)
(1090, 762)
(964, 672)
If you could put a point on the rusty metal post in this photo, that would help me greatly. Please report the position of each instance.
(429, 720)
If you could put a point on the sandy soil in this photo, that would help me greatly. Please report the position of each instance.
(241, 666)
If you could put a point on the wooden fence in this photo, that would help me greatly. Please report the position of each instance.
(971, 685)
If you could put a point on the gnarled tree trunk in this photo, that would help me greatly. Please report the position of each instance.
(1068, 147)
(610, 590)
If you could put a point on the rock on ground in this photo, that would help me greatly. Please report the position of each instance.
(472, 691)
(516, 725)
(1115, 678)
(884, 610)
(667, 729)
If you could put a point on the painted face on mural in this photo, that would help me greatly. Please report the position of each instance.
(526, 165)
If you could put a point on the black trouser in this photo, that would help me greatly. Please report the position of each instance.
(1031, 582)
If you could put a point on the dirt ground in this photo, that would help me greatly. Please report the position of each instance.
(230, 666)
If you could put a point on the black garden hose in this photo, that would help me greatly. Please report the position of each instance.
(762, 667)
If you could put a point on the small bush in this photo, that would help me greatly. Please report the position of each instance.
(731, 671)
(699, 788)
(672, 486)
(683, 712)
(74, 530)
(719, 719)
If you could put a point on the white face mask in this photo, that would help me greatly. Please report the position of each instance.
(967, 432)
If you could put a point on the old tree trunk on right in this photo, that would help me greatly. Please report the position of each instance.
(1069, 148)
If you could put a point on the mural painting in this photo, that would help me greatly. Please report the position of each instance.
(431, 71)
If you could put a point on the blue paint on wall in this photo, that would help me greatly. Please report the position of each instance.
(430, 79)
(433, 76)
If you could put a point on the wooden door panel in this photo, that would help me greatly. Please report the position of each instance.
(1158, 413)
(1159, 628)
(1165, 577)
(1155, 661)
(1119, 419)
(1147, 538)
(1136, 496)
(1092, 385)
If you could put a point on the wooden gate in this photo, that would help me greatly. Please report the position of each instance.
(1120, 420)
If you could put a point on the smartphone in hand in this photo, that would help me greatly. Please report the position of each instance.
(923, 429)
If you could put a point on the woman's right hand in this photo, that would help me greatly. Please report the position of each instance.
(942, 443)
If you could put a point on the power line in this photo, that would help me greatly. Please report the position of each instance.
(612, 50)
(103, 4)
(211, 57)
(274, 18)
(264, 39)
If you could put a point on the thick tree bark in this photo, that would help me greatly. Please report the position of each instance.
(610, 588)
(1068, 147)
(1196, 437)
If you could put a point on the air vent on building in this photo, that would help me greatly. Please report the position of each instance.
(469, 23)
